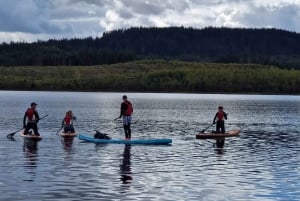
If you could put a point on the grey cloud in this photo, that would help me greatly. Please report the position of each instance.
(25, 16)
(142, 7)
(90, 17)
(284, 17)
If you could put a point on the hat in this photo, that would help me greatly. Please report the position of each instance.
(33, 103)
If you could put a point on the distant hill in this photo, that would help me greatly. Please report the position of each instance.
(219, 45)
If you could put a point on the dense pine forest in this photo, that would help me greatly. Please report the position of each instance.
(219, 45)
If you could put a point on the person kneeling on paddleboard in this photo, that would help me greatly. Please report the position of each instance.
(67, 122)
(126, 112)
(32, 117)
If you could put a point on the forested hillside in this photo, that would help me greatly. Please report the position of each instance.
(222, 45)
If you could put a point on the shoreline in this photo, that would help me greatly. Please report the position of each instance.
(155, 76)
(154, 92)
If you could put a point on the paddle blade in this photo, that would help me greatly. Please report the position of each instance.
(11, 135)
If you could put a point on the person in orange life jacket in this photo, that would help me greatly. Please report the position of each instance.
(126, 111)
(220, 116)
(67, 122)
(32, 117)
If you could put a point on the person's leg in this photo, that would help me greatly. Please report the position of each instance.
(129, 131)
(72, 129)
(126, 131)
(26, 129)
(218, 127)
(222, 126)
(35, 129)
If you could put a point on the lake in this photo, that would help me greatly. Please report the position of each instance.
(262, 163)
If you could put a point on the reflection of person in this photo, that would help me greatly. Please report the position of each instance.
(67, 122)
(126, 112)
(30, 149)
(67, 143)
(220, 116)
(32, 117)
(125, 165)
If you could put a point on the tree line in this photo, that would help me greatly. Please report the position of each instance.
(219, 45)
(154, 76)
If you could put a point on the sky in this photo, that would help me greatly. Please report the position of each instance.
(32, 20)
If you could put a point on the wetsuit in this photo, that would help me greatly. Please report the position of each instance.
(220, 116)
(67, 123)
(32, 117)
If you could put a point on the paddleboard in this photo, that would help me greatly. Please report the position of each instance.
(231, 133)
(62, 134)
(30, 136)
(162, 141)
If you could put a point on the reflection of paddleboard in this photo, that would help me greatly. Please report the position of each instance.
(62, 134)
(231, 133)
(30, 136)
(121, 141)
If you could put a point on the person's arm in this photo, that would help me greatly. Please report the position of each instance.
(214, 122)
(123, 109)
(225, 116)
(63, 122)
(24, 120)
(37, 116)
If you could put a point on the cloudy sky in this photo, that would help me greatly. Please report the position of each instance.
(31, 20)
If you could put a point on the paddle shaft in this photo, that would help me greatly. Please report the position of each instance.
(206, 128)
(58, 131)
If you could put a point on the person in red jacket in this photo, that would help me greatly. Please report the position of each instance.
(220, 117)
(32, 117)
(126, 112)
(67, 122)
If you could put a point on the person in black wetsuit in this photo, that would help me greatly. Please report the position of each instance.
(220, 127)
(32, 117)
(220, 117)
(126, 112)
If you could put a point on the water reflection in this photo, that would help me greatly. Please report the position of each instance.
(125, 166)
(67, 143)
(30, 149)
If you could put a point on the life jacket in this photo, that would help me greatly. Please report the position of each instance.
(30, 114)
(220, 116)
(68, 119)
(129, 109)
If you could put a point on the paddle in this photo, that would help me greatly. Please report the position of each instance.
(59, 130)
(116, 118)
(206, 128)
(11, 135)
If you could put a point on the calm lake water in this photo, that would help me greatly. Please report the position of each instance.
(260, 164)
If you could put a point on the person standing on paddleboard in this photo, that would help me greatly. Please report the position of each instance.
(220, 117)
(32, 117)
(126, 112)
(220, 127)
(67, 122)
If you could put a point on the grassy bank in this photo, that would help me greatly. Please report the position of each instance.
(154, 76)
